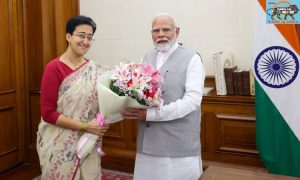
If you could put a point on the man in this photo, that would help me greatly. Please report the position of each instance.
(168, 143)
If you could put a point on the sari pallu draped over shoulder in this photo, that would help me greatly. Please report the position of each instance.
(77, 99)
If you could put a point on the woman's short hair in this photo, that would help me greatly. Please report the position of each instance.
(79, 20)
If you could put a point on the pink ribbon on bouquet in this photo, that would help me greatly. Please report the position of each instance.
(101, 122)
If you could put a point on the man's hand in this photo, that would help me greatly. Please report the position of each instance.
(134, 114)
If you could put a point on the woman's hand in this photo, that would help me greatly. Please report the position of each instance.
(94, 128)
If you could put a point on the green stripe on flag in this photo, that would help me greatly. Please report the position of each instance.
(278, 146)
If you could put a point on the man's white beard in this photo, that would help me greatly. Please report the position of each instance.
(164, 47)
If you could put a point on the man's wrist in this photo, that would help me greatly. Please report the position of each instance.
(151, 114)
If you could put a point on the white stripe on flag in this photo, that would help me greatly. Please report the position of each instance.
(286, 99)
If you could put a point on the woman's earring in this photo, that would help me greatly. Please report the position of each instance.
(69, 43)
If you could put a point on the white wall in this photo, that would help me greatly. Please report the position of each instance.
(208, 26)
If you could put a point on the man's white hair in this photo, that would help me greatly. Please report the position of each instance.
(165, 15)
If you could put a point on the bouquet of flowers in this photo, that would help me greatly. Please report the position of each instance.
(127, 85)
(139, 81)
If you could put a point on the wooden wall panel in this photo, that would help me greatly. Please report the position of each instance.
(235, 134)
(33, 43)
(48, 38)
(116, 131)
(8, 133)
(6, 67)
(34, 116)
(230, 130)
(207, 140)
(12, 85)
(34, 58)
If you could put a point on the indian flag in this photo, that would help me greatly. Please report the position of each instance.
(277, 88)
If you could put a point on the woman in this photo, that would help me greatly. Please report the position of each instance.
(69, 104)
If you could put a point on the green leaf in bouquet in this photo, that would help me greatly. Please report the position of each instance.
(136, 96)
(116, 89)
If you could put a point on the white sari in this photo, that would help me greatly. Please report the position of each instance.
(77, 99)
